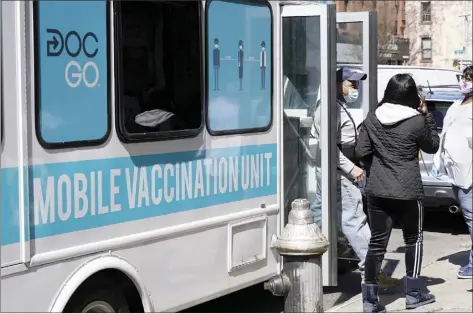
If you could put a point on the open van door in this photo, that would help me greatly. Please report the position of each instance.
(309, 117)
(357, 47)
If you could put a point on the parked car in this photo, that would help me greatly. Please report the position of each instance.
(447, 79)
(438, 191)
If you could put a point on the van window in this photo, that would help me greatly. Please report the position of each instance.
(72, 83)
(239, 61)
(160, 74)
(438, 109)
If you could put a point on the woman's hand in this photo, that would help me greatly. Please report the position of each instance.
(423, 105)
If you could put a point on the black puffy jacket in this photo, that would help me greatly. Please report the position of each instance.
(389, 143)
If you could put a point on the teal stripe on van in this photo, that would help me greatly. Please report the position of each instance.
(72, 196)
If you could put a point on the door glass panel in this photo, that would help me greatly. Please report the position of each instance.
(350, 43)
(301, 88)
(350, 52)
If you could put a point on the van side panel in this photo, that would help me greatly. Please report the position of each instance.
(192, 215)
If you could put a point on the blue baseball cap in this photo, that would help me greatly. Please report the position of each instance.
(347, 74)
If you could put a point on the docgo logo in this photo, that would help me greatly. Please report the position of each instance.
(75, 74)
(73, 44)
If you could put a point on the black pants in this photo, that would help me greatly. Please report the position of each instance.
(382, 212)
(364, 200)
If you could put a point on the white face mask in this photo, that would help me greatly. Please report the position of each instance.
(352, 96)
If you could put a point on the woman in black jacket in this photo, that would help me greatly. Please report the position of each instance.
(389, 141)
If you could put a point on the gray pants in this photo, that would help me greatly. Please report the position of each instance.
(352, 220)
(464, 197)
(354, 223)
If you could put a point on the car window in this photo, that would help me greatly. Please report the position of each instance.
(438, 109)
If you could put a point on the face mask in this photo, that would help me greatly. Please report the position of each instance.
(352, 96)
(466, 87)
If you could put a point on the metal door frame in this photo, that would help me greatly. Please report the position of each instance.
(369, 21)
(326, 12)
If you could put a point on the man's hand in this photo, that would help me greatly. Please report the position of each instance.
(357, 174)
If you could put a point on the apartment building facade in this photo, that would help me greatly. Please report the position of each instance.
(440, 33)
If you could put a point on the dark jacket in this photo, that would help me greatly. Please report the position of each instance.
(389, 142)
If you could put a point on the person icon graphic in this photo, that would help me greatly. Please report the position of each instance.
(262, 65)
(216, 63)
(240, 63)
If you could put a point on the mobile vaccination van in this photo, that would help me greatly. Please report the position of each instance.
(145, 158)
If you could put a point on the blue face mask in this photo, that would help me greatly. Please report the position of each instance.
(352, 96)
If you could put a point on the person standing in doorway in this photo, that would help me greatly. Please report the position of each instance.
(455, 156)
(216, 62)
(241, 58)
(353, 220)
(262, 64)
(390, 139)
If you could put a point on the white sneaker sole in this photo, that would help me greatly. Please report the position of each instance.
(464, 277)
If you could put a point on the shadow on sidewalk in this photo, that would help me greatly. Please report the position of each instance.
(349, 285)
(458, 258)
(444, 222)
(397, 292)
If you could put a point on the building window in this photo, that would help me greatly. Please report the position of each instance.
(239, 61)
(72, 73)
(159, 68)
(426, 48)
(426, 14)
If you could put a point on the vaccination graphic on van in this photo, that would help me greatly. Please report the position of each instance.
(239, 97)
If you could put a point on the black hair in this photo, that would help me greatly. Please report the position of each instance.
(468, 72)
(240, 43)
(263, 44)
(216, 40)
(402, 90)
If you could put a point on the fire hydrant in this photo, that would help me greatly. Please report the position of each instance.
(302, 245)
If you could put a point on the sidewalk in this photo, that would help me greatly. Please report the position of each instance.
(443, 254)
